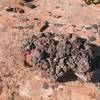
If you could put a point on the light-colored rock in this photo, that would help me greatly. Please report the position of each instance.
(26, 90)
(46, 93)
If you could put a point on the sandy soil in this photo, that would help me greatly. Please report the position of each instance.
(64, 16)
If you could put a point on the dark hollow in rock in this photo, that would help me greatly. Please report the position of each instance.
(62, 57)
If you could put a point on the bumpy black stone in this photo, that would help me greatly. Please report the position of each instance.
(56, 55)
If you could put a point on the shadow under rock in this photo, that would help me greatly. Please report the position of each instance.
(96, 76)
(96, 63)
(69, 76)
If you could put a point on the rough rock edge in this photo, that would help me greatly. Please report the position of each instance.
(58, 56)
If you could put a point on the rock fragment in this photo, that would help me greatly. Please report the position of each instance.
(30, 5)
(45, 85)
(44, 26)
(14, 9)
(62, 57)
(27, 3)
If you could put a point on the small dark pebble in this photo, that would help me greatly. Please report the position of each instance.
(21, 10)
(15, 9)
(30, 5)
(61, 89)
(45, 85)
(44, 26)
(74, 26)
(36, 18)
(57, 7)
(95, 26)
(88, 28)
(58, 25)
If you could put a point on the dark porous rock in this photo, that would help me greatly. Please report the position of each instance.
(62, 58)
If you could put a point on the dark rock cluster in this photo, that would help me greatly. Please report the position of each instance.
(58, 56)
(14, 9)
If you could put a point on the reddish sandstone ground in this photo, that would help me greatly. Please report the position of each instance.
(61, 15)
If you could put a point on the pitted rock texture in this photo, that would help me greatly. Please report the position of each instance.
(58, 56)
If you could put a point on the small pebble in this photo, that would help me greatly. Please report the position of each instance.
(45, 85)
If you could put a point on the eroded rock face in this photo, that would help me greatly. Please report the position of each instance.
(59, 55)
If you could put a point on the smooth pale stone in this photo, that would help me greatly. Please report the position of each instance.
(26, 90)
